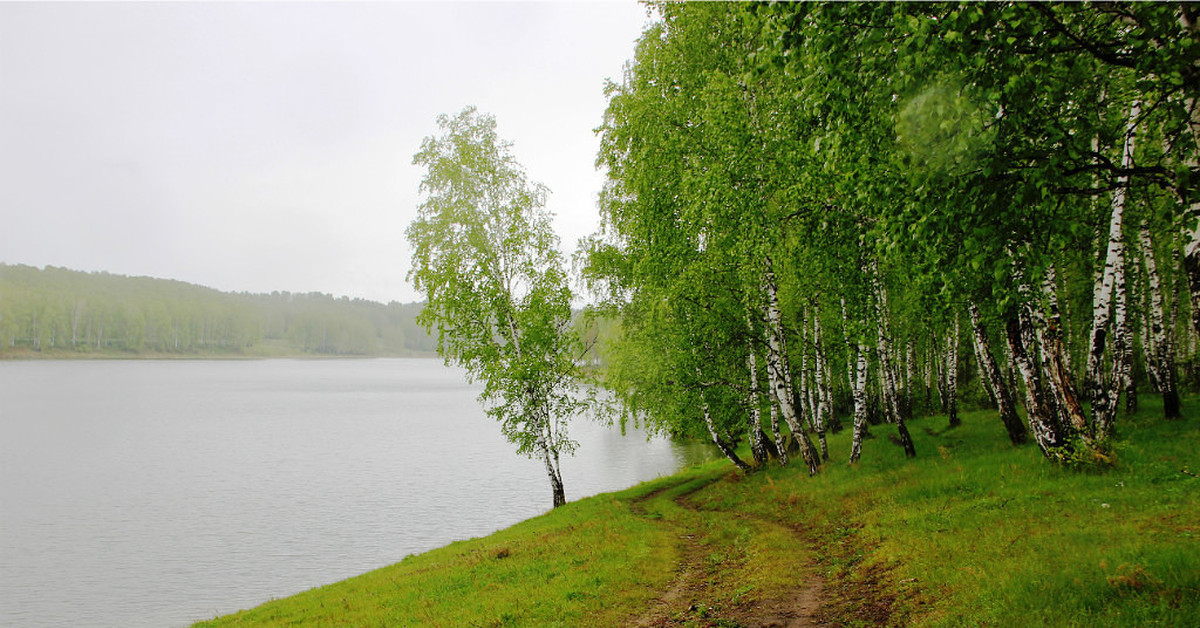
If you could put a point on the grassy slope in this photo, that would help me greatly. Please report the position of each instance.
(972, 532)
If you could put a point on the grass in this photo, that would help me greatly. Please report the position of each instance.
(972, 532)
(577, 565)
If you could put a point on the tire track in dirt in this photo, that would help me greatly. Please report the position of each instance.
(687, 573)
(695, 579)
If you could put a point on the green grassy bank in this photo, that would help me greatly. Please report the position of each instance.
(972, 532)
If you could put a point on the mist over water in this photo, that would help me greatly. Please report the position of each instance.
(158, 493)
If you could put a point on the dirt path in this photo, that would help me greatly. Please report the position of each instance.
(698, 595)
(681, 591)
(798, 611)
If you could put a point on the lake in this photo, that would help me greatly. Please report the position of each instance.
(159, 493)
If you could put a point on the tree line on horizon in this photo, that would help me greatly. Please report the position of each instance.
(73, 312)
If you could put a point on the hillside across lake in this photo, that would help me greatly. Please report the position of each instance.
(56, 312)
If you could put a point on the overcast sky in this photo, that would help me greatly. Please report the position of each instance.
(267, 146)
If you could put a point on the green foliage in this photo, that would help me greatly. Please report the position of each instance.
(486, 257)
(1095, 457)
(940, 130)
(964, 150)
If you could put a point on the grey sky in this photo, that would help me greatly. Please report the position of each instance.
(268, 146)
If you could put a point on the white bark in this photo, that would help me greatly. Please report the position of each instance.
(941, 379)
(825, 396)
(1160, 357)
(989, 386)
(859, 369)
(1001, 392)
(906, 394)
(777, 434)
(757, 447)
(1146, 331)
(805, 395)
(1064, 400)
(779, 374)
(886, 365)
(1041, 422)
(1101, 393)
(952, 373)
(887, 372)
(1191, 267)
(1122, 344)
(550, 457)
(815, 401)
(721, 444)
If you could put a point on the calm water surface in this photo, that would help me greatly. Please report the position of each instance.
(158, 493)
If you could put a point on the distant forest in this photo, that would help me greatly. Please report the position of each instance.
(63, 312)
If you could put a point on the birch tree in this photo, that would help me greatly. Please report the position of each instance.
(775, 147)
(951, 370)
(1103, 391)
(1158, 343)
(485, 257)
(994, 379)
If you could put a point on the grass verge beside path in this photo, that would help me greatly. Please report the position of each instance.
(583, 564)
(972, 532)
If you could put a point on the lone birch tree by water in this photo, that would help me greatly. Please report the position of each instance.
(487, 260)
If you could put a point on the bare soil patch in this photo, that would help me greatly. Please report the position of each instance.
(683, 602)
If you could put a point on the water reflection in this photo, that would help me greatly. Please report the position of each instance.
(158, 493)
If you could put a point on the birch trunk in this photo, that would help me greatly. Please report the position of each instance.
(882, 411)
(860, 402)
(1101, 393)
(550, 458)
(886, 366)
(932, 380)
(941, 380)
(1149, 351)
(556, 483)
(1159, 356)
(824, 394)
(1122, 344)
(1058, 374)
(758, 445)
(721, 444)
(985, 381)
(816, 402)
(905, 394)
(777, 434)
(1191, 268)
(1098, 278)
(1042, 422)
(952, 375)
(995, 380)
(856, 379)
(1191, 250)
(805, 393)
(546, 440)
(779, 373)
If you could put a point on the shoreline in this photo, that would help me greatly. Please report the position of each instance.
(711, 546)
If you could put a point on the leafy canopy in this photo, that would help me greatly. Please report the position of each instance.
(487, 259)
